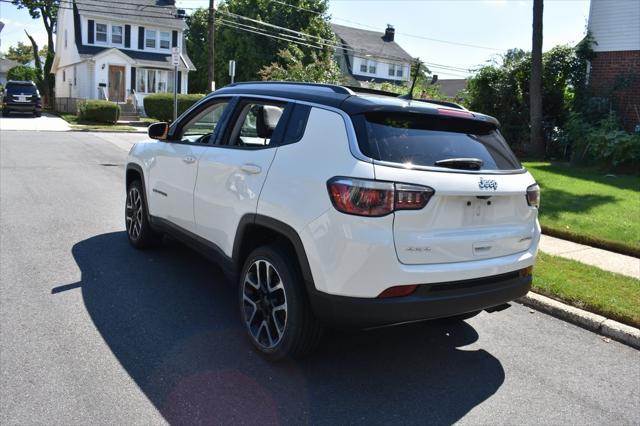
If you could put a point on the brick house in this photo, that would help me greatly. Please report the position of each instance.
(614, 73)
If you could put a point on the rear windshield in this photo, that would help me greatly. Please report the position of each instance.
(424, 140)
(16, 89)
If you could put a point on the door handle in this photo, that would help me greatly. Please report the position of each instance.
(251, 169)
(189, 159)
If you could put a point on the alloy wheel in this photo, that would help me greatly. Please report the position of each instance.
(264, 303)
(133, 213)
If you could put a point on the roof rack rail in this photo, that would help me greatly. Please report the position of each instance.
(335, 88)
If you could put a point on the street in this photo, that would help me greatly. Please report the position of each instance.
(93, 331)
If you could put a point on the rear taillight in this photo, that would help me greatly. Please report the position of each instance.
(364, 197)
(533, 196)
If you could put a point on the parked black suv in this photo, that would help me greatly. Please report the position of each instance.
(21, 96)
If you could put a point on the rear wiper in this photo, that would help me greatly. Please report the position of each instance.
(460, 163)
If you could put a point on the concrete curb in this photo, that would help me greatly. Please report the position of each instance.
(592, 322)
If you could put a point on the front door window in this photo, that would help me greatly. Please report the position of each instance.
(116, 83)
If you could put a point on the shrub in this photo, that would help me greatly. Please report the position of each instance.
(98, 111)
(22, 72)
(160, 105)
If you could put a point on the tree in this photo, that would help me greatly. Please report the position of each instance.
(22, 53)
(234, 39)
(291, 67)
(535, 85)
(47, 10)
(22, 72)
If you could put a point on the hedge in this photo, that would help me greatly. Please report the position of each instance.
(22, 72)
(160, 105)
(98, 111)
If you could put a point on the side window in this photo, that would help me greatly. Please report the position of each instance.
(201, 128)
(255, 123)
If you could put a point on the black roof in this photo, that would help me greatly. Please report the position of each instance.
(343, 98)
(370, 42)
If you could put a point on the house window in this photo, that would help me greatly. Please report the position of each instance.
(64, 76)
(399, 71)
(392, 70)
(75, 80)
(165, 40)
(363, 66)
(65, 39)
(150, 39)
(154, 81)
(372, 67)
(101, 33)
(116, 34)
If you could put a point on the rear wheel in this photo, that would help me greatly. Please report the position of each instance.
(136, 219)
(274, 306)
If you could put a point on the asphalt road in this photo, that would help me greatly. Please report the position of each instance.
(95, 332)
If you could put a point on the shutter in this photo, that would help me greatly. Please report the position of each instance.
(174, 38)
(127, 36)
(92, 31)
(133, 78)
(179, 81)
(141, 38)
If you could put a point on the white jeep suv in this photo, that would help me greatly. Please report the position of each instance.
(341, 208)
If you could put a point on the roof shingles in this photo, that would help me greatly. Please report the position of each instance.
(365, 42)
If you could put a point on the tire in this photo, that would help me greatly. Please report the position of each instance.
(292, 331)
(139, 230)
(37, 114)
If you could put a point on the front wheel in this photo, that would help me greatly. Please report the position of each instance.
(274, 307)
(136, 219)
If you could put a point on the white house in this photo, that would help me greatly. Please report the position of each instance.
(371, 56)
(119, 51)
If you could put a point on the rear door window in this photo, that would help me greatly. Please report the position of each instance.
(433, 141)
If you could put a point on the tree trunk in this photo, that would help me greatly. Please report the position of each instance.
(535, 84)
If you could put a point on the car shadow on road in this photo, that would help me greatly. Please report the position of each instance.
(171, 321)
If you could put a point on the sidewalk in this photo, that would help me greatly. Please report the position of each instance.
(603, 259)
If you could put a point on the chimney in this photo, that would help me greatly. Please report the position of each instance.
(389, 33)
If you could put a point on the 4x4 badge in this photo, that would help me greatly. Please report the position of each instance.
(488, 184)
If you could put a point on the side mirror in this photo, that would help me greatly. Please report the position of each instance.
(158, 131)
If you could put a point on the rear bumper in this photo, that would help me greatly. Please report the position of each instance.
(429, 301)
(22, 107)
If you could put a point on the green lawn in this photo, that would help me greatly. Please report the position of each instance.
(589, 206)
(72, 119)
(611, 295)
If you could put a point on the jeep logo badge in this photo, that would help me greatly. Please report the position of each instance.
(488, 184)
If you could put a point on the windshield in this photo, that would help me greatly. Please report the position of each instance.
(16, 89)
(428, 140)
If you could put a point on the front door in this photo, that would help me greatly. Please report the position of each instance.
(116, 83)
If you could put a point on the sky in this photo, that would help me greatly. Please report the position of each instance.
(478, 30)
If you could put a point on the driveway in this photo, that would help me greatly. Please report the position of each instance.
(96, 332)
(46, 123)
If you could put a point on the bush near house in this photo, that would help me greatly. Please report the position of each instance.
(160, 105)
(22, 72)
(98, 111)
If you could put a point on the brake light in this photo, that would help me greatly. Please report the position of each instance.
(533, 195)
(372, 198)
(455, 113)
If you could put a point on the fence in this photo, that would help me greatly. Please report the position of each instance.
(68, 105)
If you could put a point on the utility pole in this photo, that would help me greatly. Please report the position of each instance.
(212, 34)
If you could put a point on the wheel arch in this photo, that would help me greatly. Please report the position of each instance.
(133, 172)
(255, 230)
